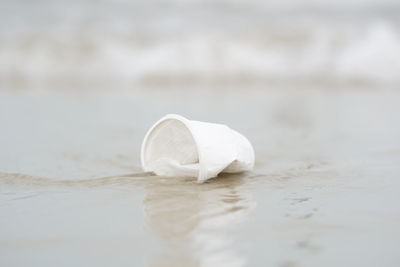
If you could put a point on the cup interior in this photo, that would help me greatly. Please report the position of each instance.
(170, 149)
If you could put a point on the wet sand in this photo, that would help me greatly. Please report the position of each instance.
(325, 190)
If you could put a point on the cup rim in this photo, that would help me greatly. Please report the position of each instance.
(202, 175)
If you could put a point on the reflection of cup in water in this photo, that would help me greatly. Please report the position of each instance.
(192, 220)
(176, 146)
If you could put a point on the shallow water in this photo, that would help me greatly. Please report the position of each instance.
(325, 189)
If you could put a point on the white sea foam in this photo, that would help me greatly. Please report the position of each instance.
(223, 44)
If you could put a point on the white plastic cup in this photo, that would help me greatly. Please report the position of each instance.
(176, 146)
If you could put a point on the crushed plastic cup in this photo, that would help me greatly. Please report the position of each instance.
(176, 146)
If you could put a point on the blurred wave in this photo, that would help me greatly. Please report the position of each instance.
(173, 43)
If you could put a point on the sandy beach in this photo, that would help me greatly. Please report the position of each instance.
(313, 84)
(325, 190)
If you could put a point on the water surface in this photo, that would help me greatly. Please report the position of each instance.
(325, 189)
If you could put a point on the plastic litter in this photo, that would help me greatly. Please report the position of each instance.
(176, 146)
